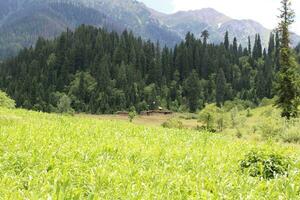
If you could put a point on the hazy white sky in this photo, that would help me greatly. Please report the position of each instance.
(263, 11)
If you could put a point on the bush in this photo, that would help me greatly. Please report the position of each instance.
(266, 102)
(291, 135)
(266, 166)
(173, 123)
(174, 106)
(132, 114)
(64, 105)
(239, 104)
(6, 101)
(236, 118)
(208, 115)
(214, 118)
(142, 106)
(204, 128)
(270, 128)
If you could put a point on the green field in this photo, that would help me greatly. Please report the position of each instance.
(48, 156)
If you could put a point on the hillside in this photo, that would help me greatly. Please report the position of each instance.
(23, 21)
(105, 72)
(52, 156)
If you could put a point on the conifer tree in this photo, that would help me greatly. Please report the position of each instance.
(192, 87)
(249, 46)
(205, 36)
(271, 47)
(288, 86)
(235, 46)
(257, 49)
(277, 52)
(226, 41)
(220, 87)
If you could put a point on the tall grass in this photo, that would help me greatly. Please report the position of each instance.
(44, 156)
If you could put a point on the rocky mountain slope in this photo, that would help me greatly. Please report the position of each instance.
(23, 21)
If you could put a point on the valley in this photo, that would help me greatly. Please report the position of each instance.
(111, 99)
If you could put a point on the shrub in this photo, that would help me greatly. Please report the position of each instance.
(64, 105)
(239, 104)
(204, 128)
(173, 123)
(266, 102)
(208, 115)
(6, 101)
(214, 118)
(142, 106)
(267, 166)
(174, 106)
(132, 114)
(291, 135)
(270, 128)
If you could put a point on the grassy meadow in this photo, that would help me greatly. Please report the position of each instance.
(49, 156)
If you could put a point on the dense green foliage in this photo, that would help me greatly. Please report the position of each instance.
(258, 164)
(6, 101)
(48, 156)
(132, 114)
(289, 85)
(239, 118)
(104, 72)
(173, 123)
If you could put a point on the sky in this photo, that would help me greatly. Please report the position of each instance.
(263, 11)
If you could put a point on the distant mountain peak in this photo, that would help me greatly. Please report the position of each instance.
(204, 15)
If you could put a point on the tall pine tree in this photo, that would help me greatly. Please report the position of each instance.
(220, 87)
(288, 87)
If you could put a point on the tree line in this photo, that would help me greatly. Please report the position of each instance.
(97, 71)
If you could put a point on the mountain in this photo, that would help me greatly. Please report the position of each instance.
(23, 21)
(217, 24)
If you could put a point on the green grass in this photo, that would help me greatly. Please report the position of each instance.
(47, 156)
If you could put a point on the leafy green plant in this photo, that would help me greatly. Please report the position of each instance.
(270, 128)
(208, 115)
(64, 105)
(132, 114)
(204, 128)
(291, 135)
(239, 104)
(267, 102)
(214, 118)
(173, 123)
(266, 166)
(6, 101)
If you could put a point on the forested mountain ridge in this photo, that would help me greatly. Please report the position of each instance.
(23, 21)
(103, 72)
